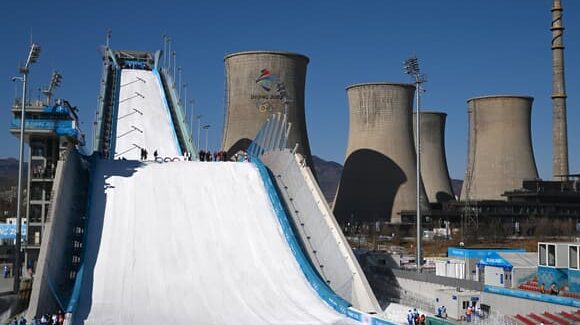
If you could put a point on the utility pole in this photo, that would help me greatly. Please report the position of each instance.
(33, 56)
(412, 68)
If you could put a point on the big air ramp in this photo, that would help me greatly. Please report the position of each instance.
(190, 242)
(143, 119)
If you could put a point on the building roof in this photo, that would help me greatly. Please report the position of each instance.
(521, 260)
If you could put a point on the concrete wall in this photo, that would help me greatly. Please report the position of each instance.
(52, 281)
(320, 234)
(379, 175)
(416, 286)
(500, 153)
(511, 305)
(434, 171)
(248, 104)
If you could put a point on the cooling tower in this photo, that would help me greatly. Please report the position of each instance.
(434, 172)
(500, 153)
(253, 80)
(379, 176)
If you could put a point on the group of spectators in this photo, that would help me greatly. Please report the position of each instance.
(553, 290)
(216, 156)
(46, 319)
(414, 318)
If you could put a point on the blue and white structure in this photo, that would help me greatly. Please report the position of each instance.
(210, 242)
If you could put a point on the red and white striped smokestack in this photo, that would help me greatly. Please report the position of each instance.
(559, 127)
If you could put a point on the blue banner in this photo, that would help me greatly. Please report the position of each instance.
(8, 231)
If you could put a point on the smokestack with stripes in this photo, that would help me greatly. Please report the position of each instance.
(559, 126)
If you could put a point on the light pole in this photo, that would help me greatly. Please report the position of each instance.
(168, 53)
(165, 50)
(179, 83)
(206, 128)
(192, 102)
(32, 57)
(184, 101)
(412, 68)
(174, 67)
(198, 129)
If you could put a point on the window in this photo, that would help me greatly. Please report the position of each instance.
(542, 254)
(573, 255)
(551, 255)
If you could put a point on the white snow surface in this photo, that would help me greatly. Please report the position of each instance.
(190, 243)
(143, 121)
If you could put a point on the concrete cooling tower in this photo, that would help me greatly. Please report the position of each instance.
(379, 176)
(434, 172)
(253, 81)
(500, 153)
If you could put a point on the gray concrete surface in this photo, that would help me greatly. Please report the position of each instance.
(434, 171)
(52, 280)
(248, 104)
(379, 178)
(559, 123)
(500, 152)
(318, 230)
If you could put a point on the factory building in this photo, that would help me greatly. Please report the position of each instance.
(500, 152)
(379, 179)
(434, 171)
(259, 84)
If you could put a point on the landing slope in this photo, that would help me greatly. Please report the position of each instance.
(143, 120)
(190, 242)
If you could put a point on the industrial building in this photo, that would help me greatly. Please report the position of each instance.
(500, 152)
(378, 179)
(258, 84)
(434, 171)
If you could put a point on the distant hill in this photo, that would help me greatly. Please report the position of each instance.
(9, 172)
(328, 173)
(457, 184)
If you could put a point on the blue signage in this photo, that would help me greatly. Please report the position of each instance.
(8, 231)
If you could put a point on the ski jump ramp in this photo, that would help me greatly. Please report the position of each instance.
(196, 242)
(176, 242)
(143, 119)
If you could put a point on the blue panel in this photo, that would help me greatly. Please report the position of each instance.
(336, 302)
(76, 292)
(495, 260)
(8, 231)
(574, 280)
(533, 296)
(551, 275)
(478, 253)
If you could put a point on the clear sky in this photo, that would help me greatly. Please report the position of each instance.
(467, 48)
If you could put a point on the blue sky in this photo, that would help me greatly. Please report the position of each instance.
(467, 48)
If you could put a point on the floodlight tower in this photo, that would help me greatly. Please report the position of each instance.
(412, 68)
(33, 56)
(54, 82)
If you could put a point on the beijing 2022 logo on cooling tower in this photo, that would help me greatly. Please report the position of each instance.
(266, 82)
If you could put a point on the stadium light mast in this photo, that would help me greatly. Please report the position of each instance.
(412, 68)
(54, 83)
(33, 56)
(206, 128)
(198, 129)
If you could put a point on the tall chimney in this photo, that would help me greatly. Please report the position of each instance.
(559, 128)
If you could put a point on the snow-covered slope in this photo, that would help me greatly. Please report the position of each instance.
(143, 119)
(190, 243)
